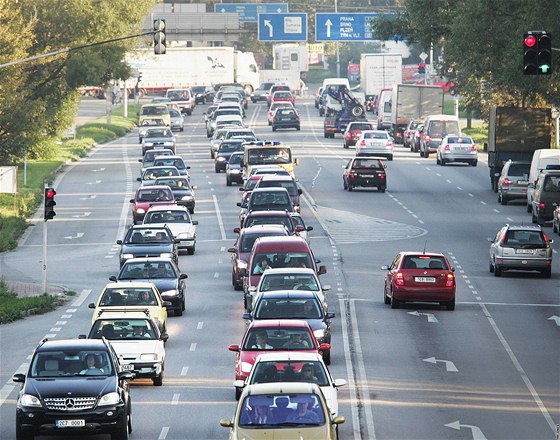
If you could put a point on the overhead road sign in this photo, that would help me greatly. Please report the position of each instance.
(344, 27)
(283, 27)
(249, 12)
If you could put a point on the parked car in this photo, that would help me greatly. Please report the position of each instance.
(513, 181)
(60, 394)
(178, 220)
(420, 276)
(353, 132)
(520, 247)
(457, 149)
(285, 118)
(365, 172)
(375, 143)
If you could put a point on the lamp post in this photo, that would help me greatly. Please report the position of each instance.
(336, 43)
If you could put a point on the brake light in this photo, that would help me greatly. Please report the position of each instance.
(382, 176)
(352, 175)
(473, 148)
(389, 144)
(297, 118)
(541, 205)
(507, 182)
(399, 279)
(545, 239)
(446, 148)
(363, 143)
(450, 280)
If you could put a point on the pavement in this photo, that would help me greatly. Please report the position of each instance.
(33, 289)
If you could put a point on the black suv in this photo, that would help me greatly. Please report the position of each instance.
(74, 386)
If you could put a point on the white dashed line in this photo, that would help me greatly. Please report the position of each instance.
(55, 329)
(216, 274)
(482, 202)
(448, 181)
(459, 188)
(175, 399)
(496, 211)
(200, 325)
(184, 371)
(50, 336)
(60, 323)
(193, 347)
(163, 433)
(471, 195)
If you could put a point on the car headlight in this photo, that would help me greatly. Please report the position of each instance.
(109, 399)
(185, 236)
(168, 143)
(30, 400)
(241, 264)
(149, 144)
(186, 198)
(234, 171)
(172, 292)
(140, 210)
(127, 256)
(319, 334)
(149, 357)
(221, 159)
(165, 255)
(246, 367)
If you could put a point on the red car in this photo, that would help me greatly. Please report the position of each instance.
(417, 276)
(353, 132)
(273, 335)
(146, 196)
(283, 96)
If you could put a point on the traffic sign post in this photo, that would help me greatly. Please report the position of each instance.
(344, 26)
(248, 12)
(282, 27)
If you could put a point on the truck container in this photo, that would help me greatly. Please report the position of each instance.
(413, 102)
(379, 71)
(515, 133)
(193, 66)
(291, 56)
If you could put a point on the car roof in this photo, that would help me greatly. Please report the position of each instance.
(173, 207)
(156, 187)
(129, 285)
(288, 356)
(292, 294)
(290, 240)
(277, 177)
(282, 388)
(140, 227)
(173, 156)
(259, 229)
(269, 189)
(367, 157)
(279, 323)
(524, 227)
(270, 213)
(289, 271)
(73, 344)
(419, 253)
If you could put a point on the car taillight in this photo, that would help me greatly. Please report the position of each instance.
(363, 143)
(399, 279)
(382, 176)
(541, 205)
(389, 144)
(329, 122)
(507, 182)
(545, 239)
(352, 175)
(473, 148)
(297, 118)
(446, 148)
(450, 282)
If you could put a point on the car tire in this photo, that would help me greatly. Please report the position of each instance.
(503, 200)
(394, 302)
(390, 157)
(122, 431)
(386, 299)
(158, 381)
(438, 162)
(190, 251)
(498, 271)
(350, 188)
(529, 208)
(382, 189)
(238, 392)
(189, 112)
(474, 163)
(450, 305)
(179, 310)
(344, 145)
(273, 128)
(533, 217)
(228, 181)
(216, 170)
(298, 128)
(442, 161)
(540, 220)
(327, 357)
(491, 267)
(554, 227)
(269, 123)
(182, 129)
(547, 273)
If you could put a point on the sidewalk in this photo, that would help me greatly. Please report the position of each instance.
(33, 289)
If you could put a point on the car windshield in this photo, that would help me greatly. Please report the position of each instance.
(440, 129)
(151, 121)
(266, 199)
(271, 220)
(154, 195)
(284, 338)
(424, 262)
(146, 270)
(154, 173)
(286, 410)
(551, 184)
(229, 147)
(123, 329)
(154, 110)
(290, 371)
(174, 183)
(360, 127)
(147, 236)
(71, 363)
(151, 155)
(159, 133)
(135, 296)
(270, 155)
(168, 216)
(272, 282)
(287, 308)
(178, 95)
(524, 239)
(280, 259)
(248, 240)
(236, 159)
(177, 163)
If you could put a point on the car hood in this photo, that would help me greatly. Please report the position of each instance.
(147, 248)
(137, 347)
(146, 205)
(283, 433)
(162, 284)
(70, 386)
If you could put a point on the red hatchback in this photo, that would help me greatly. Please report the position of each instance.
(416, 276)
(283, 96)
(273, 335)
(147, 196)
(354, 131)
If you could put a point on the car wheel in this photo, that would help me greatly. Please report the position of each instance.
(540, 220)
(498, 271)
(386, 299)
(327, 357)
(190, 251)
(344, 145)
(179, 310)
(381, 189)
(189, 112)
(158, 381)
(450, 305)
(394, 302)
(216, 169)
(298, 128)
(183, 304)
(438, 162)
(228, 181)
(182, 129)
(273, 128)
(390, 157)
(191, 210)
(269, 123)
(442, 161)
(474, 163)
(491, 267)
(238, 392)
(122, 431)
(554, 227)
(529, 208)
(547, 273)
(350, 188)
(129, 422)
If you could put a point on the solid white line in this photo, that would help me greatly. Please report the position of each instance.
(5, 392)
(520, 370)
(80, 299)
(163, 433)
(220, 222)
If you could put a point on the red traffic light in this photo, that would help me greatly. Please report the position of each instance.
(50, 193)
(530, 41)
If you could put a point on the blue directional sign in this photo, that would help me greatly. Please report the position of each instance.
(248, 12)
(344, 27)
(283, 27)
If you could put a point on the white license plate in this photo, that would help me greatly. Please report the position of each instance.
(524, 251)
(522, 182)
(369, 176)
(70, 423)
(425, 279)
(127, 367)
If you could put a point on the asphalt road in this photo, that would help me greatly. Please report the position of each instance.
(488, 370)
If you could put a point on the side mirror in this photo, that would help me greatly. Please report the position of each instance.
(246, 316)
(326, 288)
(126, 375)
(296, 162)
(138, 179)
(119, 242)
(91, 306)
(252, 289)
(164, 337)
(309, 228)
(226, 423)
(232, 250)
(339, 383)
(238, 383)
(338, 420)
(241, 188)
(239, 204)
(384, 267)
(82, 336)
(140, 160)
(317, 260)
(113, 278)
(233, 347)
(195, 222)
(300, 191)
(188, 168)
(329, 315)
(300, 228)
(131, 200)
(322, 270)
(324, 346)
(18, 377)
(194, 187)
(236, 230)
(183, 276)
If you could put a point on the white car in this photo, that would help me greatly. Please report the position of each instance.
(457, 149)
(137, 341)
(295, 367)
(267, 169)
(178, 219)
(375, 143)
(288, 278)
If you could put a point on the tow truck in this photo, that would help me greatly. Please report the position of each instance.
(351, 110)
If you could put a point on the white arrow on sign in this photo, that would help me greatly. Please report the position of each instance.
(328, 24)
(78, 235)
(476, 432)
(431, 317)
(268, 24)
(279, 10)
(556, 319)
(223, 10)
(85, 214)
(88, 197)
(449, 366)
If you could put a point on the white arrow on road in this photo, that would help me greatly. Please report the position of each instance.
(449, 366)
(268, 24)
(97, 182)
(556, 319)
(430, 316)
(328, 24)
(85, 214)
(476, 432)
(100, 169)
(88, 197)
(78, 235)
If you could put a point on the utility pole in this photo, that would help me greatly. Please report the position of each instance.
(336, 43)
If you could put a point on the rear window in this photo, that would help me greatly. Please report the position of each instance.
(361, 127)
(440, 129)
(424, 262)
(290, 186)
(551, 184)
(271, 220)
(376, 135)
(459, 140)
(517, 169)
(368, 163)
(281, 259)
(524, 239)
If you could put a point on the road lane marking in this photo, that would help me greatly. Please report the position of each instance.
(193, 347)
(200, 325)
(163, 433)
(184, 371)
(175, 399)
(81, 298)
(220, 222)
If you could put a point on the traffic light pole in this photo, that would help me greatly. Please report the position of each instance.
(44, 256)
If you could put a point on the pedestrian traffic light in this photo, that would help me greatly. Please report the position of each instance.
(49, 203)
(159, 37)
(422, 68)
(537, 53)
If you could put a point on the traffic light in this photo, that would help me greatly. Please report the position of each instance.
(422, 68)
(159, 37)
(537, 54)
(49, 203)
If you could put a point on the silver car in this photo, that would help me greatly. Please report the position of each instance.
(158, 138)
(522, 247)
(455, 148)
(177, 120)
(513, 181)
(375, 143)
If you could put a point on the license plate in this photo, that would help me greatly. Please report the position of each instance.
(524, 251)
(522, 182)
(425, 279)
(70, 423)
(368, 176)
(127, 367)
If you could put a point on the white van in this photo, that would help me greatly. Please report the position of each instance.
(541, 158)
(336, 82)
(384, 109)
(436, 128)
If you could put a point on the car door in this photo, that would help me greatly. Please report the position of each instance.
(393, 268)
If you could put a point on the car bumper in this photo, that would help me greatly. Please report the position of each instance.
(189, 204)
(236, 177)
(367, 182)
(186, 243)
(432, 146)
(143, 370)
(176, 126)
(509, 192)
(465, 157)
(175, 300)
(105, 419)
(221, 166)
(518, 263)
(375, 152)
(434, 295)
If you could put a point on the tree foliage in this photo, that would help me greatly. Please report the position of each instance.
(38, 99)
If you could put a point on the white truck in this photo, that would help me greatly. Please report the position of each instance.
(379, 71)
(413, 102)
(193, 66)
(291, 56)
(288, 77)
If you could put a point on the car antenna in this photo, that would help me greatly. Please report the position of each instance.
(424, 250)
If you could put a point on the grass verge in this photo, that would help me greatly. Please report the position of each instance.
(13, 307)
(15, 209)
